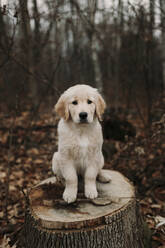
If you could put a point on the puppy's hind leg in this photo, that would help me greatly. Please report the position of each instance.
(103, 177)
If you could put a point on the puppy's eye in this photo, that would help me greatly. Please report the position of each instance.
(75, 102)
(89, 101)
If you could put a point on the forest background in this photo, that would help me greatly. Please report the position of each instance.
(116, 46)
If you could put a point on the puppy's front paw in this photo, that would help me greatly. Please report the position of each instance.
(91, 193)
(69, 196)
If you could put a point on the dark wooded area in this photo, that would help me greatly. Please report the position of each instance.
(119, 47)
(45, 46)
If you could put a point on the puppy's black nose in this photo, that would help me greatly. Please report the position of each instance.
(83, 115)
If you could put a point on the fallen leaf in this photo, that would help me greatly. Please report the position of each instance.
(38, 161)
(160, 221)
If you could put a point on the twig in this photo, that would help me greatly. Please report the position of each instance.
(139, 112)
(25, 197)
(7, 181)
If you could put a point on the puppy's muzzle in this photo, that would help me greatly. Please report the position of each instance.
(83, 117)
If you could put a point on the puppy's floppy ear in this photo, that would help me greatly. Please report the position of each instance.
(100, 106)
(61, 108)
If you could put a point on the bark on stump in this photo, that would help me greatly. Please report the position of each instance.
(112, 220)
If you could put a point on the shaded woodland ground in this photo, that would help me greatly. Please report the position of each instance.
(26, 151)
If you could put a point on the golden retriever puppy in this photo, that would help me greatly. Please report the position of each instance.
(80, 141)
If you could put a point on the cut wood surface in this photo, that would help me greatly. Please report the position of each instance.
(112, 218)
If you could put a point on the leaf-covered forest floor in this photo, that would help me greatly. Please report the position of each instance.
(26, 151)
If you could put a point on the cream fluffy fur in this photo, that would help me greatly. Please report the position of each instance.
(80, 141)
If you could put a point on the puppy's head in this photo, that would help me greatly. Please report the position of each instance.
(81, 103)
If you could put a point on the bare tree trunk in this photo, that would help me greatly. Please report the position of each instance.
(162, 8)
(152, 16)
(148, 73)
(92, 6)
(96, 65)
(26, 44)
(36, 53)
(3, 34)
(89, 25)
(119, 22)
(4, 41)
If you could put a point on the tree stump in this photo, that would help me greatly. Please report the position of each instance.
(112, 220)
